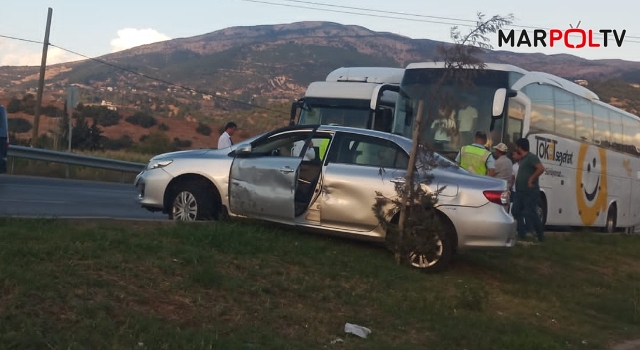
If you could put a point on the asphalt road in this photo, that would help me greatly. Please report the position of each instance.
(47, 197)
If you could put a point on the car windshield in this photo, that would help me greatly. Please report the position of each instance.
(454, 112)
(354, 113)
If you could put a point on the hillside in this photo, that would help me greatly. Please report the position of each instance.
(268, 65)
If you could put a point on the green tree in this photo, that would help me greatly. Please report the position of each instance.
(143, 119)
(415, 232)
(13, 106)
(19, 125)
(203, 129)
(155, 143)
(85, 137)
(28, 104)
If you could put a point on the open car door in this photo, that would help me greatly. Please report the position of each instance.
(264, 176)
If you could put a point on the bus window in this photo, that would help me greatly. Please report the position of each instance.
(601, 130)
(631, 130)
(615, 123)
(584, 120)
(542, 108)
(565, 117)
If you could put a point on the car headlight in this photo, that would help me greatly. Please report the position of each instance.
(157, 164)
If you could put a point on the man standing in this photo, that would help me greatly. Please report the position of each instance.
(516, 211)
(225, 139)
(528, 190)
(476, 158)
(504, 167)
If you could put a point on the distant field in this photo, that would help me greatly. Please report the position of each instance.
(239, 285)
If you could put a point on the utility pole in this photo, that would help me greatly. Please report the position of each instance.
(43, 65)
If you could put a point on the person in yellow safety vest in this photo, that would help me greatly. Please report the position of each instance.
(322, 148)
(476, 158)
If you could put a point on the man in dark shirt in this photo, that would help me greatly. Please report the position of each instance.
(528, 190)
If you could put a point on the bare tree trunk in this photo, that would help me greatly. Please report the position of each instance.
(407, 194)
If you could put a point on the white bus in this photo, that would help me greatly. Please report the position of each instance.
(590, 149)
(362, 97)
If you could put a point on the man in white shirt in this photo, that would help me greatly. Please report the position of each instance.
(225, 139)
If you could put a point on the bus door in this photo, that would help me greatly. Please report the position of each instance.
(515, 126)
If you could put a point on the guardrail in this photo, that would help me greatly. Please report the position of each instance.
(74, 159)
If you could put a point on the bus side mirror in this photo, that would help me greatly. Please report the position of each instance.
(499, 99)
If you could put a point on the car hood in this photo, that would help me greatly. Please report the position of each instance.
(194, 153)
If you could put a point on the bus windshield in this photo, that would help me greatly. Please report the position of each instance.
(353, 113)
(451, 124)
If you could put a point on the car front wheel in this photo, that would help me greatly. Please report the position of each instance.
(190, 203)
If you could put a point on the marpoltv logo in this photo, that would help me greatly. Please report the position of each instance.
(579, 37)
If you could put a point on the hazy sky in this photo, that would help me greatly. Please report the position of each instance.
(97, 28)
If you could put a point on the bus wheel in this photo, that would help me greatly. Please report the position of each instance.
(611, 220)
(541, 210)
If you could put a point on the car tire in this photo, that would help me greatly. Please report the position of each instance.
(445, 255)
(190, 202)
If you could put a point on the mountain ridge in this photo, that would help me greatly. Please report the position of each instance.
(267, 65)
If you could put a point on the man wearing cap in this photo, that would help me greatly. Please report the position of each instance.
(504, 166)
(476, 158)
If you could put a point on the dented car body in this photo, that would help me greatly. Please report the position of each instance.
(321, 177)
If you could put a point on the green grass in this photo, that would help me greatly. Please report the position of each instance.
(241, 285)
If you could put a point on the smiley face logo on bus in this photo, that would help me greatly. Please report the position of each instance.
(591, 183)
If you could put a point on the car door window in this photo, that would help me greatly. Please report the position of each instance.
(281, 145)
(368, 151)
(292, 144)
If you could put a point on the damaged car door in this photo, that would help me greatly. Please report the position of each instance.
(264, 176)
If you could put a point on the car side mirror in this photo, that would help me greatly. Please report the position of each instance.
(243, 151)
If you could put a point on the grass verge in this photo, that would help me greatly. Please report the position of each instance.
(241, 285)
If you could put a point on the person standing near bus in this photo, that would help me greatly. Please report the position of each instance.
(516, 211)
(476, 158)
(527, 191)
(504, 167)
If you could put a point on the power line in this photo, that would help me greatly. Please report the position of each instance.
(385, 15)
(380, 11)
(20, 39)
(356, 13)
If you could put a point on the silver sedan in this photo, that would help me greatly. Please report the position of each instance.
(323, 177)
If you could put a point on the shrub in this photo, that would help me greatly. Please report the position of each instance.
(203, 129)
(19, 125)
(181, 143)
(123, 142)
(163, 127)
(144, 120)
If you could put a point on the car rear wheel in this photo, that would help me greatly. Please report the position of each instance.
(440, 259)
(190, 203)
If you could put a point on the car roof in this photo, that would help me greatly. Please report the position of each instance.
(403, 141)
